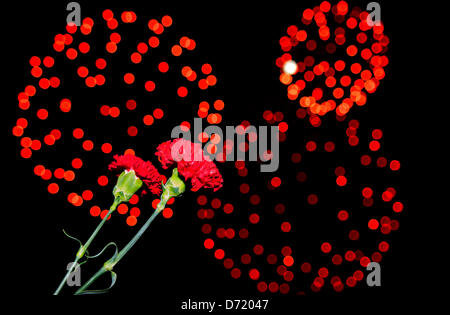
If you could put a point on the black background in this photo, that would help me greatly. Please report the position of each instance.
(234, 36)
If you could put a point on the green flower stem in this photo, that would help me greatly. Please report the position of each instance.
(109, 265)
(84, 247)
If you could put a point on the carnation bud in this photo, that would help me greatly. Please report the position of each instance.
(127, 185)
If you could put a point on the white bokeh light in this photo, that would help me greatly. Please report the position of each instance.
(290, 67)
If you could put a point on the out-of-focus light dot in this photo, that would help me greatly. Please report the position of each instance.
(206, 68)
(42, 114)
(102, 180)
(306, 267)
(107, 14)
(100, 63)
(394, 165)
(136, 57)
(104, 213)
(49, 140)
(22, 122)
(244, 188)
(329, 146)
(367, 192)
(77, 163)
(114, 111)
(39, 170)
(87, 195)
(182, 91)
(285, 226)
(95, 211)
(311, 146)
(219, 254)
(25, 142)
(132, 131)
(111, 47)
(17, 131)
(286, 251)
(323, 272)
(59, 173)
(272, 259)
(36, 144)
(341, 181)
(235, 273)
(243, 233)
(122, 208)
(131, 220)
(337, 259)
(166, 21)
(254, 274)
(163, 67)
(343, 215)
(381, 162)
(148, 120)
(176, 50)
(65, 105)
(254, 218)
(167, 213)
(377, 134)
(105, 110)
(106, 148)
(71, 53)
(53, 188)
(366, 160)
(158, 113)
(90, 81)
(47, 175)
(208, 243)
(88, 145)
(35, 61)
(397, 206)
(275, 181)
(69, 176)
(353, 235)
(128, 78)
(135, 211)
(383, 246)
(326, 247)
(134, 199)
(364, 261)
(283, 126)
(290, 67)
(84, 47)
(56, 133)
(373, 224)
(387, 196)
(246, 259)
(153, 42)
(129, 151)
(82, 71)
(228, 263)
(374, 145)
(150, 86)
(78, 133)
(112, 23)
(312, 199)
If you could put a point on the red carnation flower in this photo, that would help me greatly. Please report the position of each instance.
(191, 163)
(143, 169)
